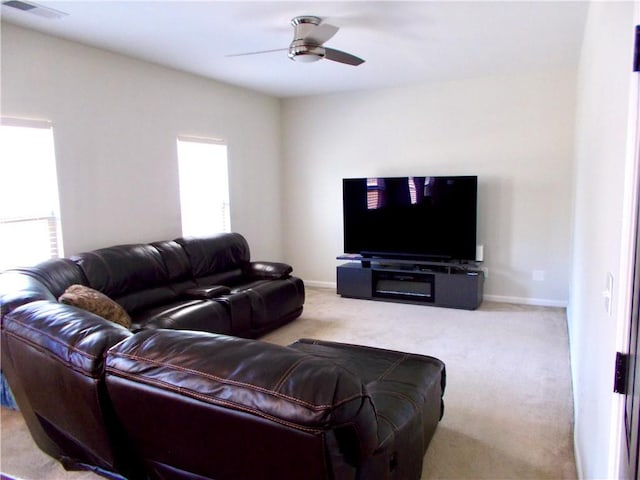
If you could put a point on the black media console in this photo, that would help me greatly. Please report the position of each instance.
(453, 285)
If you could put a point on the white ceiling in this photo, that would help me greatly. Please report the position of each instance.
(402, 42)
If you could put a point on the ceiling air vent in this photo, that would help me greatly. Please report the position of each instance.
(34, 8)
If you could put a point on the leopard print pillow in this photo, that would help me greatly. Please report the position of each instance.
(95, 302)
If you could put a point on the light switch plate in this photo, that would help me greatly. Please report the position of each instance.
(607, 294)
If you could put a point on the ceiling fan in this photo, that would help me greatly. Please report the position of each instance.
(309, 36)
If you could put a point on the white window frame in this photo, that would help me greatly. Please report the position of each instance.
(52, 220)
(202, 201)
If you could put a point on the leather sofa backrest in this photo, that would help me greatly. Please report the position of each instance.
(123, 268)
(135, 276)
(175, 260)
(228, 278)
(177, 265)
(53, 357)
(225, 253)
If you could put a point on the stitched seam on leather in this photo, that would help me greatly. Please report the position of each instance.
(286, 374)
(389, 421)
(392, 367)
(54, 357)
(213, 400)
(412, 385)
(237, 383)
(393, 427)
(332, 359)
(358, 432)
(323, 447)
(50, 337)
(399, 395)
(353, 346)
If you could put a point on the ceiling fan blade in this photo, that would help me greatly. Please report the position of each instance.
(257, 53)
(342, 57)
(320, 34)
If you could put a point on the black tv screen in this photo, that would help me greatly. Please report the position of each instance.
(431, 218)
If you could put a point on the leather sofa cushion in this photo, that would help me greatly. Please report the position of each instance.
(373, 364)
(95, 302)
(190, 314)
(147, 298)
(270, 299)
(175, 260)
(406, 390)
(123, 269)
(228, 278)
(215, 254)
(135, 276)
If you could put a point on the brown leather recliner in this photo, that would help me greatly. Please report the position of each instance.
(262, 295)
(53, 358)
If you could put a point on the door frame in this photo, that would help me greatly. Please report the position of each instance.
(618, 451)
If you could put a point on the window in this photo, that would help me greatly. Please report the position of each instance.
(204, 186)
(29, 218)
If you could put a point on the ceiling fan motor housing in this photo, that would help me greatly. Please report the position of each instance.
(302, 49)
(303, 25)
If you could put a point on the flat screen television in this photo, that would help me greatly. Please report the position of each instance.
(422, 218)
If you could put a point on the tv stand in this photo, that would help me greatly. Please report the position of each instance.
(441, 284)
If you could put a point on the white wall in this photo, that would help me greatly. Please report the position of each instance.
(515, 132)
(116, 120)
(600, 200)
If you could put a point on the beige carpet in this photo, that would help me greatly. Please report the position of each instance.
(508, 408)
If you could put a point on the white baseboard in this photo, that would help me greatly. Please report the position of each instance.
(315, 283)
(578, 458)
(539, 302)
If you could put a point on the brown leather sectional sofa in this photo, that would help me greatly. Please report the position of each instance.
(207, 284)
(180, 395)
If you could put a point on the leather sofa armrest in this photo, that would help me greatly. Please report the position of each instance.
(269, 270)
(203, 293)
(74, 336)
(17, 289)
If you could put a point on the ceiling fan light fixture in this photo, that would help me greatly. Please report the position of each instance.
(303, 53)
